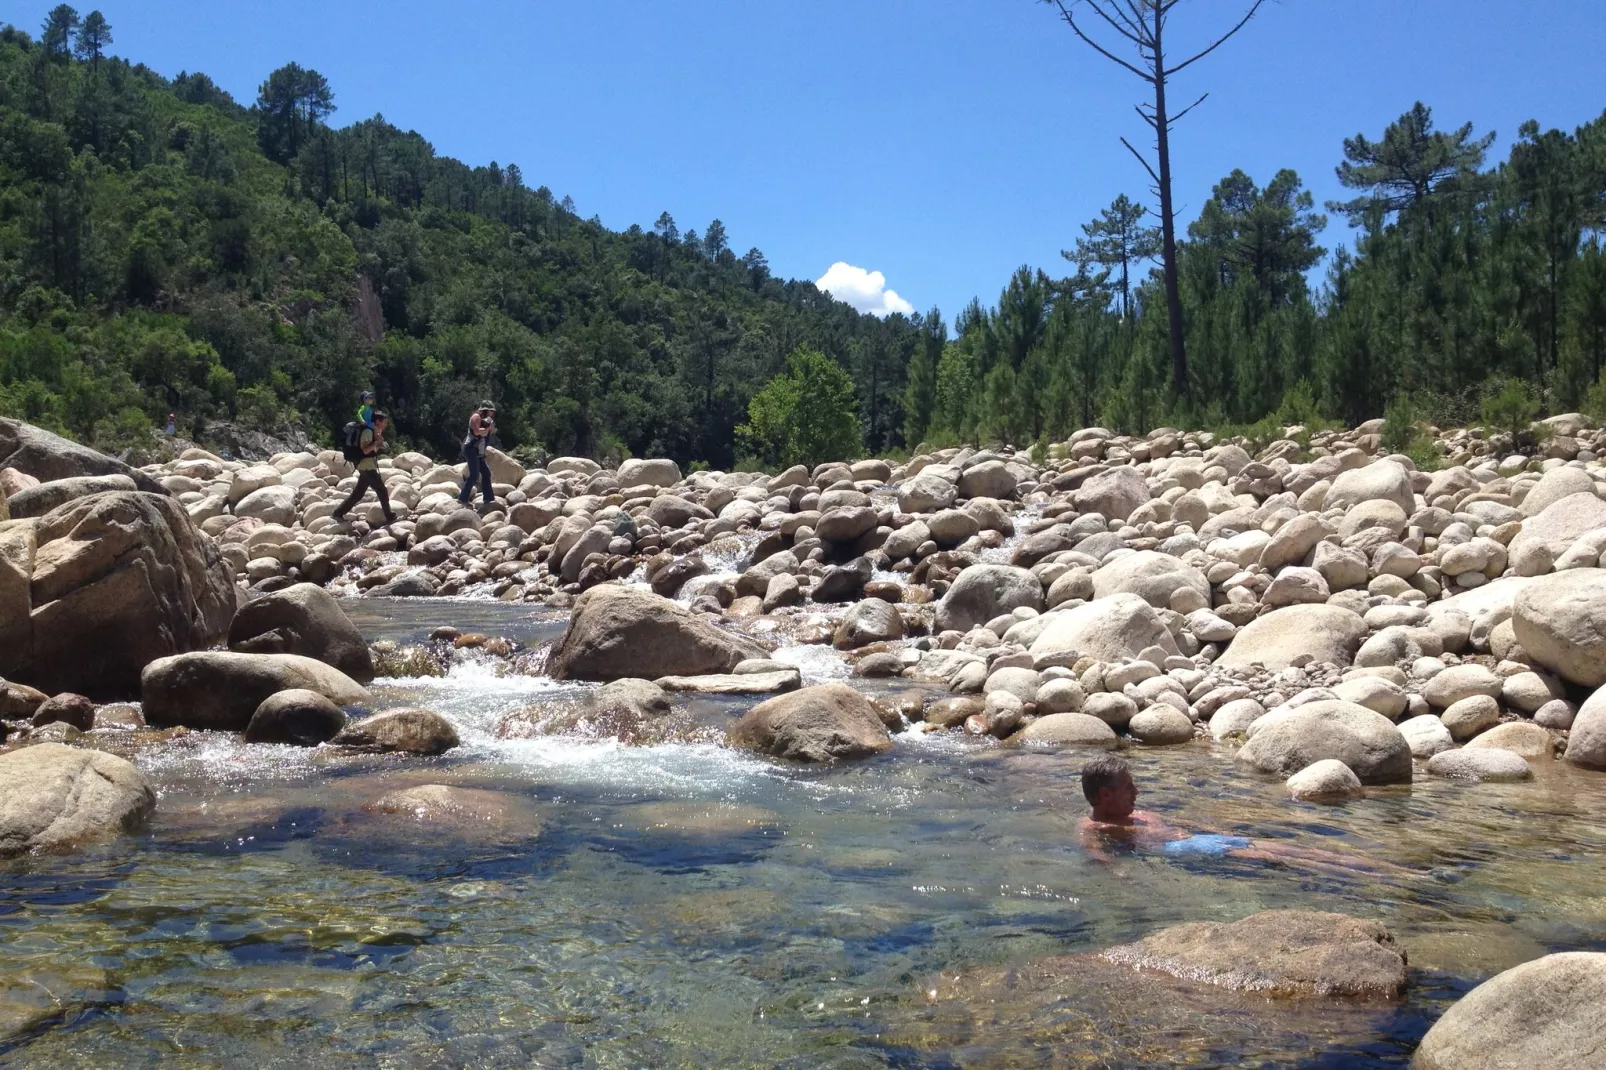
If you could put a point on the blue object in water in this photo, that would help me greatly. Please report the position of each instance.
(1204, 843)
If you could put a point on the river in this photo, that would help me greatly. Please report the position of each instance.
(692, 906)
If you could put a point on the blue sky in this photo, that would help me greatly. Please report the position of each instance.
(940, 142)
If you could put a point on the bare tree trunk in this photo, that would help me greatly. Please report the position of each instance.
(1168, 223)
(1141, 23)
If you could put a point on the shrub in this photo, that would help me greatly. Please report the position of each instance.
(808, 415)
(1509, 406)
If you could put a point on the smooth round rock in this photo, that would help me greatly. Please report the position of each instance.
(1068, 730)
(1548, 1014)
(1459, 682)
(66, 708)
(1470, 716)
(1530, 740)
(1480, 764)
(1160, 725)
(1328, 779)
(296, 716)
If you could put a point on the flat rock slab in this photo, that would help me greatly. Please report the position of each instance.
(1280, 952)
(754, 683)
(1088, 1012)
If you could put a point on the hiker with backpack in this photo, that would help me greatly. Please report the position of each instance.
(481, 425)
(362, 445)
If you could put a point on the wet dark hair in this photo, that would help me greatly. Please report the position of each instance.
(1102, 772)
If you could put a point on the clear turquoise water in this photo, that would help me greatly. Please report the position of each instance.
(688, 906)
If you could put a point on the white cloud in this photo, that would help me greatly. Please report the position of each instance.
(865, 290)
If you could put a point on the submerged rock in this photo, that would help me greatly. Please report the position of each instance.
(1278, 952)
(444, 804)
(634, 712)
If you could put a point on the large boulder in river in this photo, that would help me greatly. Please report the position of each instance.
(95, 590)
(304, 619)
(982, 592)
(38, 453)
(37, 501)
(1277, 952)
(1560, 621)
(1150, 575)
(53, 796)
(1275, 640)
(817, 724)
(616, 632)
(1108, 629)
(1543, 1015)
(220, 690)
(1287, 740)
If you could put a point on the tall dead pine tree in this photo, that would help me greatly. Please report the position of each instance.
(1141, 24)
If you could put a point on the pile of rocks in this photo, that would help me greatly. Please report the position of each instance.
(1314, 597)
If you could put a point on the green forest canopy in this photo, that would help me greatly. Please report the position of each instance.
(165, 248)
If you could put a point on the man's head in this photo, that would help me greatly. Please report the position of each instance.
(487, 408)
(1107, 783)
(380, 419)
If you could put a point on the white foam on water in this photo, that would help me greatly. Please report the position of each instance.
(816, 661)
(687, 770)
(226, 757)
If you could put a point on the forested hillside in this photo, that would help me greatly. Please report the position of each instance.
(164, 247)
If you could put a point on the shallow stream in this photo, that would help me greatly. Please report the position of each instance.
(691, 906)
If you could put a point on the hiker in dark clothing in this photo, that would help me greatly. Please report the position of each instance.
(370, 441)
(481, 426)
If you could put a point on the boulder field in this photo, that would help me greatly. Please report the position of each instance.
(1312, 601)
